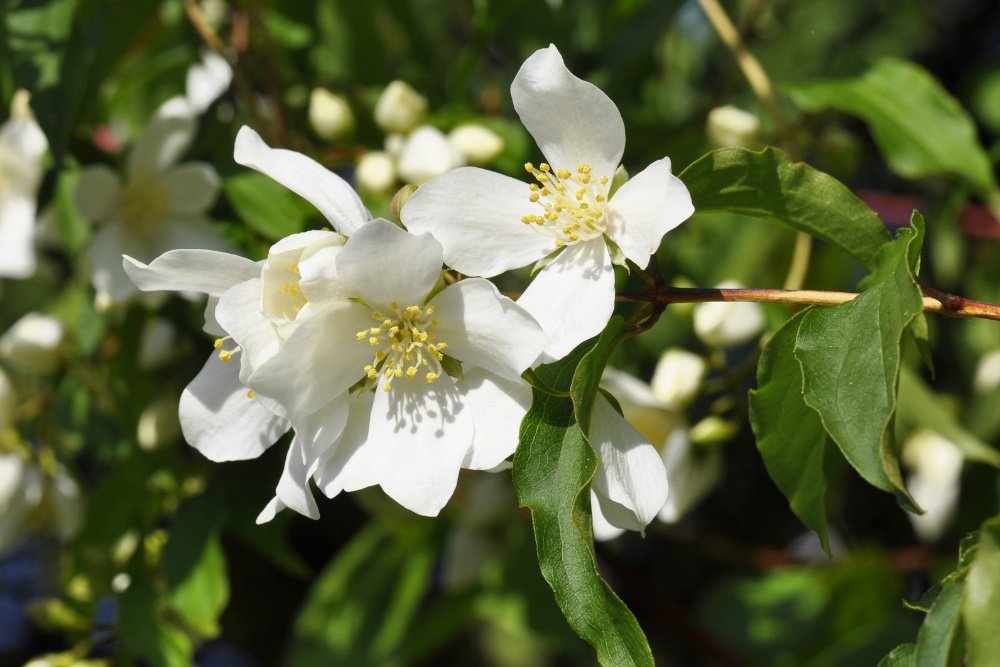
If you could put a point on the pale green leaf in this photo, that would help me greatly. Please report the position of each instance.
(939, 643)
(981, 612)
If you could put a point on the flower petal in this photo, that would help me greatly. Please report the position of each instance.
(293, 487)
(190, 270)
(220, 421)
(104, 256)
(649, 205)
(334, 198)
(476, 215)
(630, 473)
(193, 186)
(486, 329)
(238, 313)
(96, 193)
(573, 297)
(692, 474)
(424, 433)
(603, 530)
(318, 280)
(318, 361)
(497, 407)
(382, 263)
(160, 145)
(572, 121)
(355, 464)
(17, 236)
(207, 80)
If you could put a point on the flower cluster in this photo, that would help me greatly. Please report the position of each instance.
(386, 349)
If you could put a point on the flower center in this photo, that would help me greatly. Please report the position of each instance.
(145, 203)
(573, 203)
(404, 343)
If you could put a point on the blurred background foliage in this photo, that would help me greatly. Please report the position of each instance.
(167, 566)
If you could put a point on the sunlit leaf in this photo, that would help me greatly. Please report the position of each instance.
(981, 611)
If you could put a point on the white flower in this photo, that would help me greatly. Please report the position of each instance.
(690, 472)
(33, 344)
(22, 146)
(477, 143)
(400, 108)
(206, 81)
(420, 425)
(677, 377)
(158, 423)
(376, 172)
(158, 206)
(730, 126)
(489, 223)
(934, 482)
(987, 373)
(722, 324)
(32, 500)
(255, 308)
(329, 114)
(426, 154)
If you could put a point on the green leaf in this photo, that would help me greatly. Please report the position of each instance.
(204, 593)
(981, 612)
(144, 633)
(850, 357)
(266, 206)
(939, 643)
(904, 655)
(920, 128)
(790, 436)
(361, 606)
(767, 185)
(553, 467)
(587, 376)
(919, 405)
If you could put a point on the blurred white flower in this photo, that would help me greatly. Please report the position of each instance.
(935, 465)
(206, 81)
(489, 223)
(400, 108)
(678, 377)
(394, 145)
(722, 324)
(158, 206)
(376, 172)
(477, 143)
(729, 126)
(32, 500)
(157, 343)
(426, 154)
(987, 372)
(329, 114)
(158, 423)
(693, 473)
(22, 146)
(33, 344)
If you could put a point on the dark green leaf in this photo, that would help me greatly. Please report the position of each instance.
(553, 467)
(901, 656)
(767, 185)
(266, 206)
(144, 633)
(939, 643)
(981, 612)
(920, 128)
(850, 357)
(790, 436)
(203, 594)
(587, 377)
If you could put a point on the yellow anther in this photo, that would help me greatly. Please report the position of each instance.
(533, 196)
(251, 394)
(528, 167)
(373, 341)
(434, 323)
(604, 180)
(430, 377)
(600, 197)
(411, 371)
(226, 356)
(294, 267)
(394, 305)
(563, 173)
(544, 166)
(398, 372)
(380, 355)
(217, 344)
(533, 187)
(560, 243)
(429, 310)
(526, 219)
(361, 335)
(377, 315)
(375, 331)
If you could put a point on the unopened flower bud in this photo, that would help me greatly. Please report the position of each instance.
(427, 154)
(477, 143)
(375, 172)
(677, 377)
(713, 430)
(399, 200)
(158, 424)
(32, 344)
(400, 108)
(729, 126)
(936, 469)
(329, 115)
(722, 324)
(394, 144)
(988, 373)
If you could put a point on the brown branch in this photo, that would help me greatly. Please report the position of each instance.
(941, 303)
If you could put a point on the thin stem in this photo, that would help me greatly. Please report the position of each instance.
(800, 262)
(748, 64)
(941, 303)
